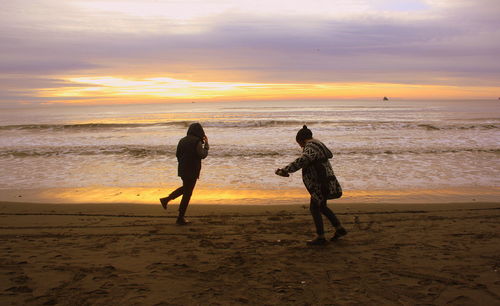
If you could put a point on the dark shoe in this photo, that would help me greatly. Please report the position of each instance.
(164, 202)
(317, 241)
(339, 233)
(182, 221)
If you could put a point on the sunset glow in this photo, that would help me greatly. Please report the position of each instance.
(108, 52)
(115, 90)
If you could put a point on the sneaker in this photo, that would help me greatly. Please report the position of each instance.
(339, 233)
(164, 202)
(317, 241)
(182, 221)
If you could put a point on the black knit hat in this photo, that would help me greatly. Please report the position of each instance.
(303, 134)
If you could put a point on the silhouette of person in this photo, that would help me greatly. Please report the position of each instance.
(313, 160)
(190, 151)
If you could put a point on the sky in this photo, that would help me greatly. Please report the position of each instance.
(127, 51)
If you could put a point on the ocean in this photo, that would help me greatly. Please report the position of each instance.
(413, 151)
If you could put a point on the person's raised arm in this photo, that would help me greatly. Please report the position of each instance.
(308, 155)
(202, 148)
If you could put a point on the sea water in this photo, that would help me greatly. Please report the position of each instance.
(381, 148)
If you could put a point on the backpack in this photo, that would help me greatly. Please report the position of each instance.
(330, 186)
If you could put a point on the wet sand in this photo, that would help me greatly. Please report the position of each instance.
(111, 254)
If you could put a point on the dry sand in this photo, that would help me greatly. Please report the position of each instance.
(105, 254)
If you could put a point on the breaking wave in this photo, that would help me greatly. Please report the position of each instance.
(255, 124)
(150, 151)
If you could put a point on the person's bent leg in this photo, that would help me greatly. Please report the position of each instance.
(188, 187)
(315, 210)
(339, 229)
(325, 210)
(175, 194)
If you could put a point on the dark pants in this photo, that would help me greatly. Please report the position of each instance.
(317, 209)
(186, 190)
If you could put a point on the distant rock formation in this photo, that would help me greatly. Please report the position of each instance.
(387, 99)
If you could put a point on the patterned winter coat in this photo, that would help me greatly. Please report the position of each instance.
(314, 159)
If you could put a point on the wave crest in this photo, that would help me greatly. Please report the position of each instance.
(150, 151)
(383, 125)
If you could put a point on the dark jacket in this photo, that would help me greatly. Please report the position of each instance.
(190, 152)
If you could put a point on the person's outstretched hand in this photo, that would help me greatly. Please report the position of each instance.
(282, 172)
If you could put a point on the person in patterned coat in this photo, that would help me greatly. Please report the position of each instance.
(313, 161)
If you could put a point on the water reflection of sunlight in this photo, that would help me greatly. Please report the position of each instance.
(151, 195)
(260, 196)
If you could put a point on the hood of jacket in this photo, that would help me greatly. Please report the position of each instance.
(195, 129)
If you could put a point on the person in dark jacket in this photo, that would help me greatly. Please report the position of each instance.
(190, 151)
(315, 158)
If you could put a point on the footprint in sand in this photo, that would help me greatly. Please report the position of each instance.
(434, 289)
(385, 276)
(79, 276)
(22, 279)
(205, 243)
(425, 282)
(157, 267)
(274, 218)
(461, 300)
(20, 289)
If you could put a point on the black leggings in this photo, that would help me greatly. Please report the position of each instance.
(186, 190)
(318, 208)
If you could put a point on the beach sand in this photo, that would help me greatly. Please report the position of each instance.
(111, 254)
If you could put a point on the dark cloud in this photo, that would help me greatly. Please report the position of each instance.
(26, 82)
(44, 66)
(20, 89)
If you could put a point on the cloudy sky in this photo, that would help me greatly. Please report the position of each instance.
(128, 51)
